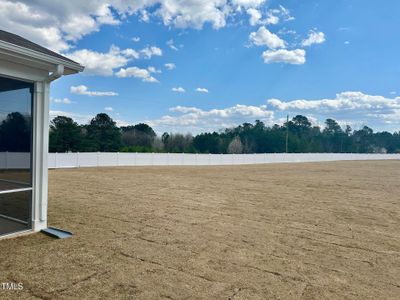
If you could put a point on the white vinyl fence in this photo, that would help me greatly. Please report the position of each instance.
(73, 160)
(12, 160)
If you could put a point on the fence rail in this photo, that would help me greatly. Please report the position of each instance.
(13, 160)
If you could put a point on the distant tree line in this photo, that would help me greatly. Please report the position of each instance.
(102, 134)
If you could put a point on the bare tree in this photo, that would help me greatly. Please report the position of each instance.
(235, 146)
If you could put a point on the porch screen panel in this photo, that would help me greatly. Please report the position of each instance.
(15, 155)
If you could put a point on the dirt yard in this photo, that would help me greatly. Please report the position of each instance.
(284, 231)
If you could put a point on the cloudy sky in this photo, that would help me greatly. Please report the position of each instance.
(195, 65)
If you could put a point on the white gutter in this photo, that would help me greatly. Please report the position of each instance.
(56, 74)
(15, 49)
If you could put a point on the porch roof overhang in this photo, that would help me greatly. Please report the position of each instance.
(38, 62)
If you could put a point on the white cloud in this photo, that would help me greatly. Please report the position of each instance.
(285, 31)
(83, 90)
(170, 44)
(195, 119)
(170, 66)
(349, 107)
(202, 90)
(136, 39)
(104, 15)
(295, 57)
(121, 123)
(136, 72)
(97, 63)
(248, 3)
(128, 53)
(391, 118)
(58, 25)
(285, 13)
(263, 37)
(255, 16)
(79, 118)
(194, 13)
(153, 70)
(277, 52)
(271, 19)
(178, 89)
(347, 43)
(342, 101)
(55, 25)
(144, 16)
(313, 38)
(108, 108)
(29, 22)
(104, 64)
(148, 52)
(63, 100)
(274, 16)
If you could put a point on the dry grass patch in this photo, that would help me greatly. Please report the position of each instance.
(284, 231)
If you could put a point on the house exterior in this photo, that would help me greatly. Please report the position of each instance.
(26, 72)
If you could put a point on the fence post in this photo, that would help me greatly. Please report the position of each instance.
(98, 158)
(77, 159)
(6, 158)
(135, 159)
(118, 159)
(55, 160)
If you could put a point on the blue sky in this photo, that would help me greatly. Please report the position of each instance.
(198, 65)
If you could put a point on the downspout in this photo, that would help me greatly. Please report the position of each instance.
(40, 191)
(52, 231)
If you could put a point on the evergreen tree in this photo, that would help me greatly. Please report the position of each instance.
(65, 135)
(103, 134)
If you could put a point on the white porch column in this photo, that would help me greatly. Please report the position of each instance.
(40, 154)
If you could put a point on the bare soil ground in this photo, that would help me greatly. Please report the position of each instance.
(283, 231)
